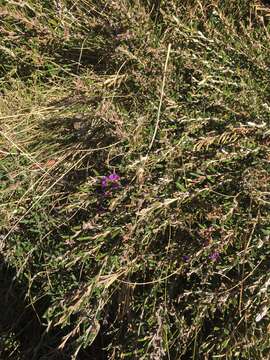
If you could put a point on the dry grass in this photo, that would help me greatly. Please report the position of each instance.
(172, 260)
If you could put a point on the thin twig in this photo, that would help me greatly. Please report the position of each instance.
(161, 97)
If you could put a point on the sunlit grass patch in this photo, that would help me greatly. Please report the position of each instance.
(134, 176)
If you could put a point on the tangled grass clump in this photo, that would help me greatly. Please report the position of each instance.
(167, 256)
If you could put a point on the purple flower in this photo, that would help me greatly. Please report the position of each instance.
(110, 181)
(104, 182)
(185, 258)
(214, 256)
(113, 177)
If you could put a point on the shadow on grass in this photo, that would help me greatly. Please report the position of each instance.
(84, 135)
(22, 334)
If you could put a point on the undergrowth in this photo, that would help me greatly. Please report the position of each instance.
(134, 179)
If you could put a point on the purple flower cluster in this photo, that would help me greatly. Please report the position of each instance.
(214, 256)
(185, 258)
(109, 182)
